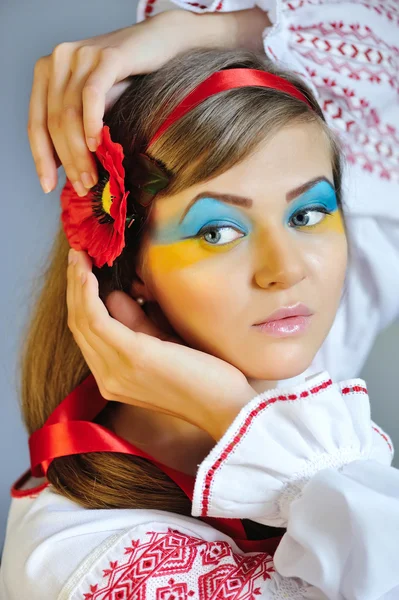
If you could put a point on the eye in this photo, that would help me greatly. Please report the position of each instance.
(218, 235)
(310, 216)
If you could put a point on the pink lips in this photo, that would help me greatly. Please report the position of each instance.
(286, 321)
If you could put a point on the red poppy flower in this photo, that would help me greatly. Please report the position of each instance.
(96, 223)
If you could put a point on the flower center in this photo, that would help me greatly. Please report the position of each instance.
(106, 198)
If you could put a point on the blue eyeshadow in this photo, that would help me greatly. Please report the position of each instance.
(205, 211)
(321, 194)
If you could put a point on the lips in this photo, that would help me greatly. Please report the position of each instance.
(298, 310)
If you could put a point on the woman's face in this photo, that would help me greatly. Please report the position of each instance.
(221, 256)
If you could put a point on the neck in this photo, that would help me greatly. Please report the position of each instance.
(168, 439)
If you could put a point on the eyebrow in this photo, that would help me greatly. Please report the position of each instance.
(247, 202)
(305, 187)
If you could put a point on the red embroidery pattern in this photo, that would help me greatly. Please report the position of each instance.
(354, 388)
(363, 390)
(149, 8)
(353, 71)
(344, 30)
(172, 565)
(356, 52)
(295, 4)
(385, 9)
(365, 138)
(360, 52)
(352, 58)
(250, 417)
(356, 46)
(384, 437)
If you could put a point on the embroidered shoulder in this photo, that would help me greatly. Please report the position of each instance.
(157, 562)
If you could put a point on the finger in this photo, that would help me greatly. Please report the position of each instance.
(84, 60)
(87, 352)
(74, 305)
(59, 77)
(94, 360)
(39, 138)
(84, 316)
(100, 81)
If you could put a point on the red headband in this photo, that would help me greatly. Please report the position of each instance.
(228, 80)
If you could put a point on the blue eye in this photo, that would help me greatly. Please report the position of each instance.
(309, 216)
(219, 235)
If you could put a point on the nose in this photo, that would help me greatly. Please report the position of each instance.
(281, 263)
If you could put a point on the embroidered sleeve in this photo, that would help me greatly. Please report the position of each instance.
(310, 459)
(150, 8)
(155, 561)
(279, 441)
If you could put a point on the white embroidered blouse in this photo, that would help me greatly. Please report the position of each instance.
(308, 458)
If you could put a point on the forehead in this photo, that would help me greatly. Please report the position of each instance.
(294, 155)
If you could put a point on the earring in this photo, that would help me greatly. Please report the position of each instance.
(140, 300)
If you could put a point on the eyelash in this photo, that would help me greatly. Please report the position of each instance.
(217, 227)
(314, 208)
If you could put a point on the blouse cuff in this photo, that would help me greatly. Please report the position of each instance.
(279, 441)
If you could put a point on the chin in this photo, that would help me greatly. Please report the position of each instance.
(277, 366)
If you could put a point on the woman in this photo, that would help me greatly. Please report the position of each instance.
(229, 183)
(346, 51)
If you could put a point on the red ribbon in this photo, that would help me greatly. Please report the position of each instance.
(68, 431)
(228, 80)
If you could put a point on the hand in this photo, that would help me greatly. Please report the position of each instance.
(74, 85)
(135, 362)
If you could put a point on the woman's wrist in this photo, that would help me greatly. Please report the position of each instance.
(223, 415)
(238, 29)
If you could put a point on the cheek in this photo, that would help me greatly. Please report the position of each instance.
(189, 286)
(165, 258)
(330, 261)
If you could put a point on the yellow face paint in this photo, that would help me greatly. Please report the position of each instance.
(169, 257)
(330, 223)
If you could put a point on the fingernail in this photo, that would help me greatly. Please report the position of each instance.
(79, 188)
(46, 184)
(92, 144)
(87, 180)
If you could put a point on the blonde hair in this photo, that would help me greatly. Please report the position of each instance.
(210, 139)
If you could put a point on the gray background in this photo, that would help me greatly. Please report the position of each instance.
(29, 30)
